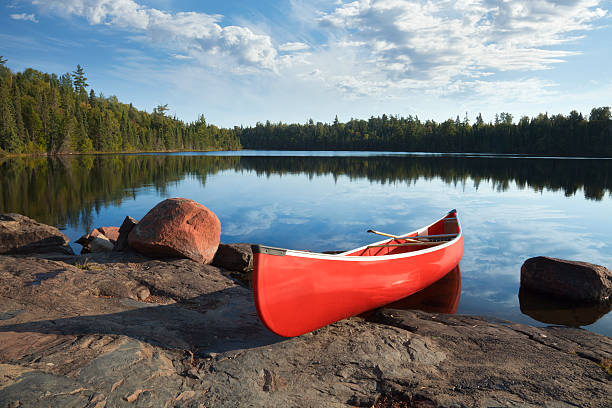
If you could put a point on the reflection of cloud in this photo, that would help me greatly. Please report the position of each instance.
(295, 221)
(251, 221)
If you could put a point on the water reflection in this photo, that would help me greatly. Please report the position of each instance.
(68, 190)
(553, 311)
(440, 297)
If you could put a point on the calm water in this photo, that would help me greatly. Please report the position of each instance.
(511, 208)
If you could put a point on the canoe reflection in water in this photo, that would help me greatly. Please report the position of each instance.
(553, 311)
(440, 297)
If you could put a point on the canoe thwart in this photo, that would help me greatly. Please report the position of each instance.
(430, 236)
(425, 243)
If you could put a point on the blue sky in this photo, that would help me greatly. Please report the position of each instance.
(239, 62)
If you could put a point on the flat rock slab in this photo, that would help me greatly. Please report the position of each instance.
(83, 336)
(22, 235)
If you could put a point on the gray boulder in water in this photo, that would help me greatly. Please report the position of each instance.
(570, 280)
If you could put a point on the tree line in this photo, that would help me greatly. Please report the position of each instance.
(47, 113)
(556, 135)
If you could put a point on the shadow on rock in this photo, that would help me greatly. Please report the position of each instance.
(214, 323)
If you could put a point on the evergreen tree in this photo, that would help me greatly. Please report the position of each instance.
(92, 98)
(602, 113)
(79, 79)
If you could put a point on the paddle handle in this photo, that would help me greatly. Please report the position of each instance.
(409, 244)
(384, 234)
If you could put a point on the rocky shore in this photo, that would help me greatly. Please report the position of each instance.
(119, 329)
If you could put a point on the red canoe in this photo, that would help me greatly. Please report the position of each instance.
(298, 291)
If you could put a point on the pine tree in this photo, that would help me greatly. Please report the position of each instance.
(92, 97)
(79, 79)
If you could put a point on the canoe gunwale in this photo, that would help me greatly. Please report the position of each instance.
(263, 249)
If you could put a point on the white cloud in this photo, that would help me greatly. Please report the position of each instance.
(196, 34)
(24, 17)
(438, 43)
(399, 54)
(293, 46)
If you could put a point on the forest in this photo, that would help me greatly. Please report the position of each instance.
(49, 114)
(556, 135)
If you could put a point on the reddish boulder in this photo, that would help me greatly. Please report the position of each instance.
(112, 233)
(571, 280)
(177, 227)
(99, 240)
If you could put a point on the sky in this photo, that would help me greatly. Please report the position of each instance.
(240, 62)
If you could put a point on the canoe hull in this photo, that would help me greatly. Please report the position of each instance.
(297, 292)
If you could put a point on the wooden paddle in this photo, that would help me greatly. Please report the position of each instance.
(384, 234)
(416, 237)
(433, 243)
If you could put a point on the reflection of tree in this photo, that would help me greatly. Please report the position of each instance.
(66, 190)
(569, 176)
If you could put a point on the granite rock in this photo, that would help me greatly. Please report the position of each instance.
(177, 227)
(570, 280)
(81, 334)
(22, 235)
(124, 231)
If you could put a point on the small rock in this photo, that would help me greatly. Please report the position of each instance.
(100, 244)
(235, 257)
(178, 227)
(112, 233)
(129, 289)
(97, 240)
(565, 279)
(142, 292)
(22, 235)
(124, 232)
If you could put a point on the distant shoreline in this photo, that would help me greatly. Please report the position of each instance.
(394, 152)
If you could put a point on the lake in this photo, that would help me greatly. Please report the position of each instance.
(511, 207)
